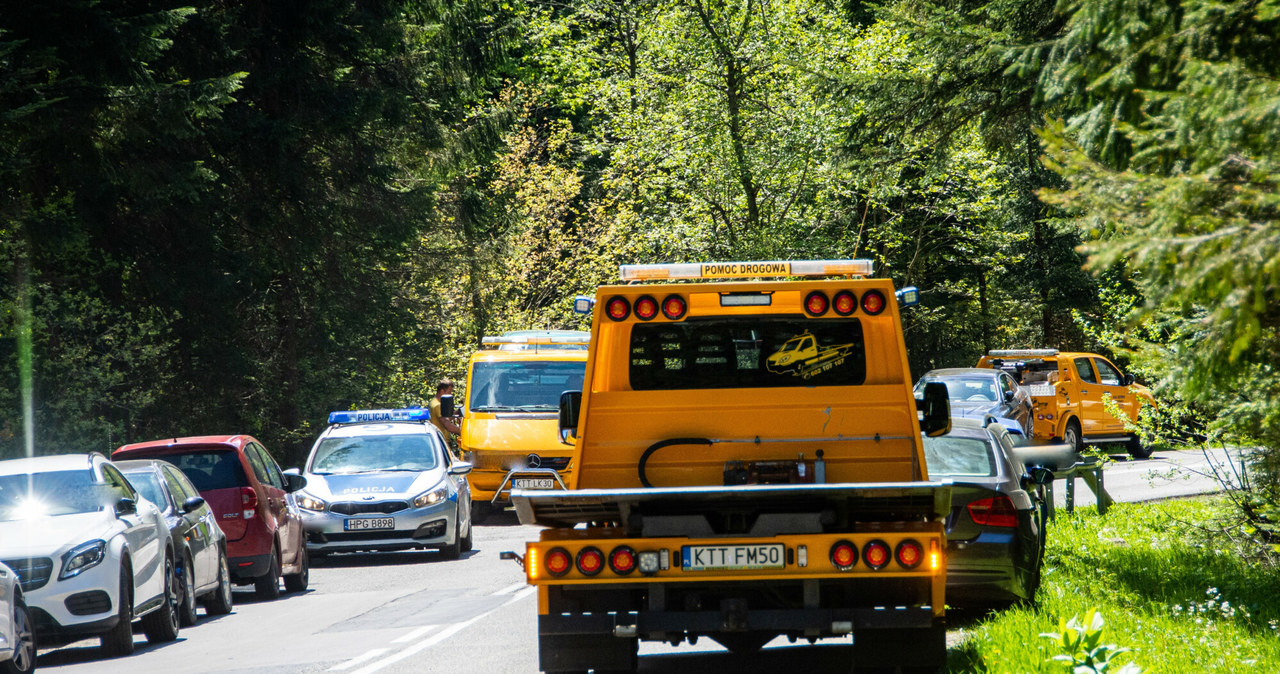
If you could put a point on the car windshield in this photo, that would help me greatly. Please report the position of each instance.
(956, 456)
(970, 389)
(148, 484)
(368, 453)
(523, 385)
(63, 492)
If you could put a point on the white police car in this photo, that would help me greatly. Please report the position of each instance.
(383, 480)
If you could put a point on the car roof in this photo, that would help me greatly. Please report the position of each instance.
(178, 445)
(961, 372)
(379, 428)
(138, 465)
(46, 464)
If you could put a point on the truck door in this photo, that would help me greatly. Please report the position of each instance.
(1111, 382)
(1091, 410)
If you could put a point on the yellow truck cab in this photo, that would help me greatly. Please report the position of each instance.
(1068, 390)
(510, 432)
(748, 465)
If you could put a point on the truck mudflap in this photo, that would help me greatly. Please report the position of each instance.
(881, 501)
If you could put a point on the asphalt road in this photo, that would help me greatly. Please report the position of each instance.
(415, 612)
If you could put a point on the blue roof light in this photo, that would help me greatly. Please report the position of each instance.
(908, 296)
(362, 416)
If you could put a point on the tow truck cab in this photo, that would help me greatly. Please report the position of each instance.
(723, 491)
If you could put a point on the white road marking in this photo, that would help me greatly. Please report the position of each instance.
(366, 656)
(414, 634)
(439, 636)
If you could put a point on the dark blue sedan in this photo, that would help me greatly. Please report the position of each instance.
(979, 392)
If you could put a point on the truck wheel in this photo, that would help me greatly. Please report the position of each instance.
(1136, 448)
(1071, 436)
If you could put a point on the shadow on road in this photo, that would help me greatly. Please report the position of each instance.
(800, 658)
(353, 560)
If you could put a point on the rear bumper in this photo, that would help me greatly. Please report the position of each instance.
(249, 567)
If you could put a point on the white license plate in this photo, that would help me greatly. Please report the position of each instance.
(533, 483)
(733, 557)
(370, 523)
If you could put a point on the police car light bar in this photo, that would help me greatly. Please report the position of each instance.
(363, 416)
(712, 270)
(1021, 353)
(534, 339)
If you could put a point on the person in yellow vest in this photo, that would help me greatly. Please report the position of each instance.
(448, 425)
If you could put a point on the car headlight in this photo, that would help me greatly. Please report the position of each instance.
(431, 497)
(82, 557)
(308, 502)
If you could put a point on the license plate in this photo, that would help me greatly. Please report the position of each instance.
(370, 523)
(533, 483)
(733, 557)
(1039, 390)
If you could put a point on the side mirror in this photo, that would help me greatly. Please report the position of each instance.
(191, 504)
(1008, 396)
(293, 482)
(126, 506)
(570, 406)
(1040, 475)
(1128, 379)
(446, 405)
(460, 468)
(934, 408)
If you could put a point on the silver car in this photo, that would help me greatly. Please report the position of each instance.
(384, 480)
(17, 631)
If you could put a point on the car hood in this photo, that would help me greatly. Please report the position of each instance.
(372, 486)
(51, 536)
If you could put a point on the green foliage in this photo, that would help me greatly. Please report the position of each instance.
(1080, 643)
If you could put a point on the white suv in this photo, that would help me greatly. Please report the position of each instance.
(92, 554)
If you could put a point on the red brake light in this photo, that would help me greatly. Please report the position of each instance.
(844, 555)
(844, 303)
(673, 307)
(876, 554)
(873, 302)
(909, 554)
(646, 308)
(590, 561)
(248, 502)
(622, 560)
(997, 511)
(618, 309)
(816, 303)
(558, 562)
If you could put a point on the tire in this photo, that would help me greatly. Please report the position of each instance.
(24, 652)
(297, 582)
(219, 602)
(267, 586)
(162, 624)
(187, 602)
(1071, 436)
(469, 542)
(118, 641)
(453, 550)
(1136, 448)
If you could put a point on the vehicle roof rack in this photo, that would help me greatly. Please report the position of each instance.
(1021, 353)
(752, 269)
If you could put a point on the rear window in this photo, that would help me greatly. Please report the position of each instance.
(956, 456)
(210, 468)
(747, 352)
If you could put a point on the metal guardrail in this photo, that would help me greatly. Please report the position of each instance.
(1088, 468)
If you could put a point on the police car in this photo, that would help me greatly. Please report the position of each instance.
(384, 480)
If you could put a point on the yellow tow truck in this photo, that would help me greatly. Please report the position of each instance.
(723, 491)
(510, 432)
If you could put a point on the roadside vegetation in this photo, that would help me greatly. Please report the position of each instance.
(1179, 583)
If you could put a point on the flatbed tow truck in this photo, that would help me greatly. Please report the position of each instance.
(724, 491)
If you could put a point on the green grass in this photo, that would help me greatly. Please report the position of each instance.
(1171, 580)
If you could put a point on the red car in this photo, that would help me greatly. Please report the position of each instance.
(249, 495)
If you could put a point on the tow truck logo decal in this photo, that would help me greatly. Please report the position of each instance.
(804, 357)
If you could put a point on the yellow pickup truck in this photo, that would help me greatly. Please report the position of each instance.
(510, 432)
(724, 489)
(1068, 390)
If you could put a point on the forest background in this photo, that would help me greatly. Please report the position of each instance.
(236, 216)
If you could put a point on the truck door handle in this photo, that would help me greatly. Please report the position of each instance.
(1084, 390)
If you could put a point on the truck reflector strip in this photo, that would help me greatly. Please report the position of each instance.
(761, 269)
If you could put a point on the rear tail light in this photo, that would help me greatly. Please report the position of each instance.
(997, 511)
(844, 303)
(622, 560)
(248, 502)
(844, 555)
(873, 302)
(590, 561)
(646, 308)
(933, 555)
(816, 303)
(909, 554)
(674, 307)
(558, 562)
(876, 554)
(617, 308)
